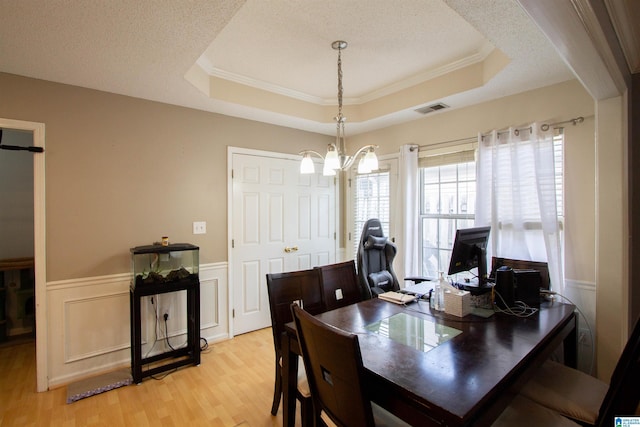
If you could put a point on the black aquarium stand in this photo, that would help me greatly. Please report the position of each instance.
(188, 355)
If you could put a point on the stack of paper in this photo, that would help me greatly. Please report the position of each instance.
(397, 297)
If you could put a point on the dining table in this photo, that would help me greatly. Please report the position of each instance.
(432, 368)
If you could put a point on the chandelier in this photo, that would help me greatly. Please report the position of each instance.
(336, 157)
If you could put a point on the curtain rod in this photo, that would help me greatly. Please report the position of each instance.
(543, 127)
(19, 148)
(419, 147)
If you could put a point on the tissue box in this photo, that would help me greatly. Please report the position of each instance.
(457, 303)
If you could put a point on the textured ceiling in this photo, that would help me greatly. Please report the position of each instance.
(388, 42)
(283, 48)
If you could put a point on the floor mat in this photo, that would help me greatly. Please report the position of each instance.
(96, 385)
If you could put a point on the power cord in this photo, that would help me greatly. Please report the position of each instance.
(550, 294)
(520, 309)
(204, 345)
(155, 329)
(166, 331)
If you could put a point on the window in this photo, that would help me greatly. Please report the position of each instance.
(558, 154)
(447, 202)
(371, 199)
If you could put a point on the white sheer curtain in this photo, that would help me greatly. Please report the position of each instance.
(516, 195)
(409, 217)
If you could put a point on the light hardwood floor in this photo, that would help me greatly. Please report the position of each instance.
(233, 386)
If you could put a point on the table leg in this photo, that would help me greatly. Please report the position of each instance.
(136, 344)
(570, 345)
(289, 383)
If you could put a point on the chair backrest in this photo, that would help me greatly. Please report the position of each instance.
(340, 285)
(375, 261)
(283, 289)
(333, 363)
(623, 395)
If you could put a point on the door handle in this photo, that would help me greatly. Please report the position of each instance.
(290, 249)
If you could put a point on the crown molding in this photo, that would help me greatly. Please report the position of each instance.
(409, 82)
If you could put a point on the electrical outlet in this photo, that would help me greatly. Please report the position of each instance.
(199, 227)
(339, 295)
(165, 314)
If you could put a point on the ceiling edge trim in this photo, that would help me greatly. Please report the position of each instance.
(427, 75)
(479, 56)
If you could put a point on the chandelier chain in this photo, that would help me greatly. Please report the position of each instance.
(336, 157)
(339, 84)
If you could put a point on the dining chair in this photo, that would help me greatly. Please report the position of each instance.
(523, 412)
(587, 399)
(334, 368)
(302, 287)
(340, 285)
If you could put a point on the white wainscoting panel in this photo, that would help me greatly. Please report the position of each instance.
(96, 324)
(214, 302)
(88, 324)
(583, 295)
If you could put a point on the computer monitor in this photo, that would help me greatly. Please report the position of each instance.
(470, 251)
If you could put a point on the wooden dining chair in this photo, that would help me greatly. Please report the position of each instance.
(523, 412)
(302, 287)
(340, 284)
(586, 399)
(334, 368)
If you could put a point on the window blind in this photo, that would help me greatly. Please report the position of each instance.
(371, 200)
(447, 159)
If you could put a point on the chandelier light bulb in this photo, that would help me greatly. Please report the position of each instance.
(362, 166)
(371, 160)
(331, 160)
(307, 166)
(326, 171)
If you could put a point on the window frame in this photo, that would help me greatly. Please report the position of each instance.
(352, 236)
(442, 160)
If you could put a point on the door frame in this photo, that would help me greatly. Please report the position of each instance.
(231, 151)
(39, 246)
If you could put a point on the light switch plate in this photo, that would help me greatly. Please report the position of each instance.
(200, 227)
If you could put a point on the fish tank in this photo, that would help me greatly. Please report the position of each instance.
(157, 264)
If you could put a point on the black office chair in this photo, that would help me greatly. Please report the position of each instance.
(375, 261)
(335, 371)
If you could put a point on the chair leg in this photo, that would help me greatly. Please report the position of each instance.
(306, 412)
(277, 392)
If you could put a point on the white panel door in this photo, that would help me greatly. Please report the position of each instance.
(281, 221)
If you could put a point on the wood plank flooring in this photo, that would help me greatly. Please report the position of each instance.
(233, 386)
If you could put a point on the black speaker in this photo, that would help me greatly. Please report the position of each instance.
(527, 285)
(517, 285)
(504, 287)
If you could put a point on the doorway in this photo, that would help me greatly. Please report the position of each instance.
(39, 250)
(279, 221)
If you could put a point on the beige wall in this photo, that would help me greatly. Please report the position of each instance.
(551, 104)
(122, 172)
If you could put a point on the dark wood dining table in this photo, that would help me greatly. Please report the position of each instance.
(467, 379)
